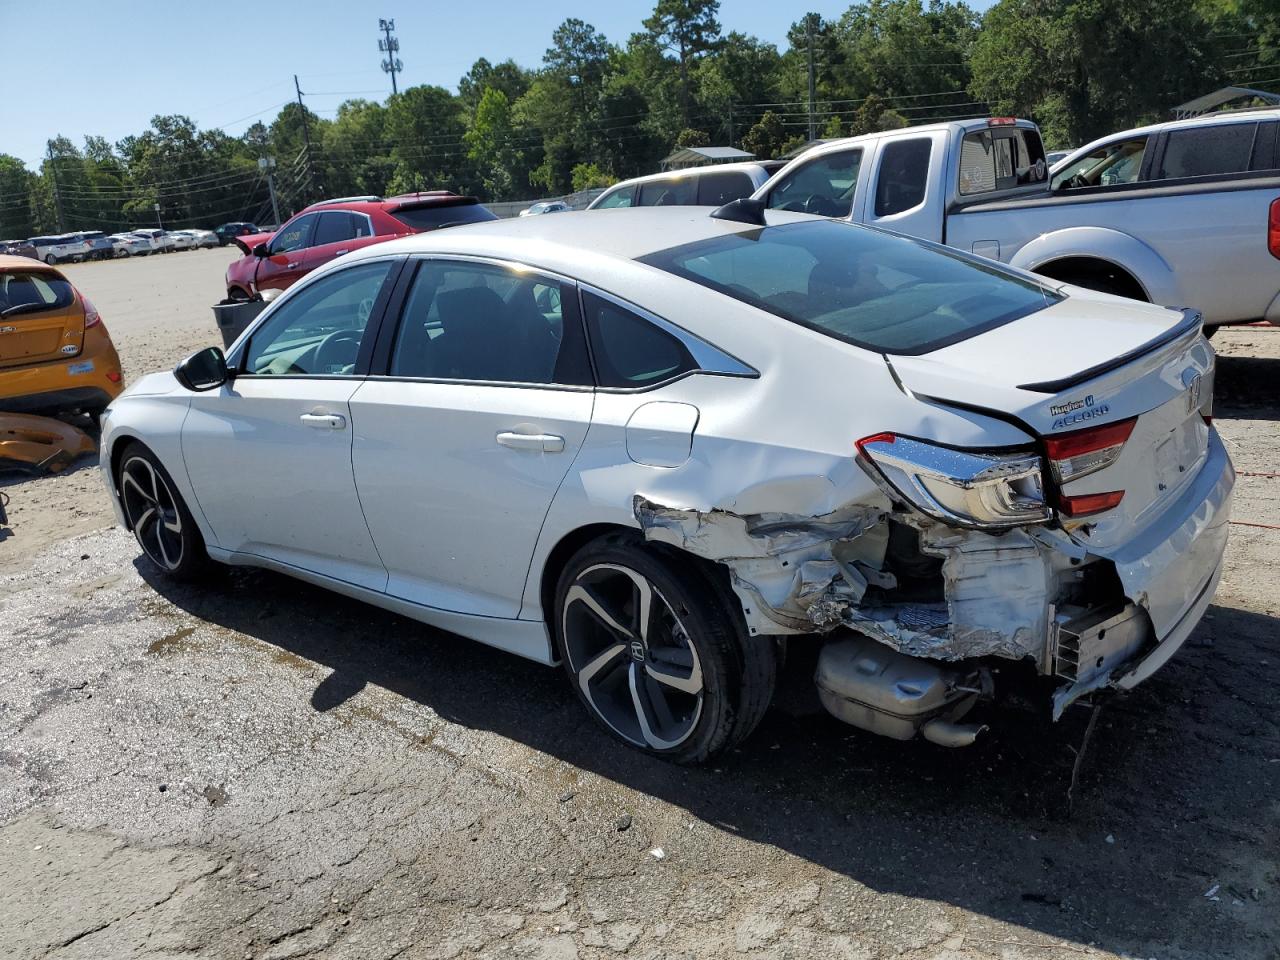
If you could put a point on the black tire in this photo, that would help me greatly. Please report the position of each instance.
(50, 259)
(153, 508)
(690, 685)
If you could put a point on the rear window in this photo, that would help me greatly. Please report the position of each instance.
(33, 292)
(1001, 158)
(437, 215)
(873, 289)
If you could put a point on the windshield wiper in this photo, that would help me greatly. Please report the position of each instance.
(25, 308)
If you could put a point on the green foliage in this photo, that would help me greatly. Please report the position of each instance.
(587, 176)
(595, 110)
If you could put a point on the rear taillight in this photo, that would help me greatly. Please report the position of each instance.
(91, 317)
(1081, 452)
(1089, 503)
(965, 488)
(1273, 229)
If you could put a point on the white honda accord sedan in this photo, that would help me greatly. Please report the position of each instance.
(657, 445)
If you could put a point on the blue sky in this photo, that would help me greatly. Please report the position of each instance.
(103, 68)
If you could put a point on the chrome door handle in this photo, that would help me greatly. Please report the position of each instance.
(324, 421)
(546, 442)
(292, 265)
(341, 252)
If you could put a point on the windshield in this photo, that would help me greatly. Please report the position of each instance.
(871, 288)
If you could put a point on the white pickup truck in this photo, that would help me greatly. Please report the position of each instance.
(1181, 214)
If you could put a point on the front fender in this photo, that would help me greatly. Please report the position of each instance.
(1146, 266)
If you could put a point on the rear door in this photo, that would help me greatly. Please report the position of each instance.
(463, 442)
(337, 232)
(907, 192)
(41, 318)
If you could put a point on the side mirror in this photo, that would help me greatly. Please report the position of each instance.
(261, 251)
(204, 370)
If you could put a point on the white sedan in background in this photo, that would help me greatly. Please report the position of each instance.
(204, 238)
(183, 239)
(130, 245)
(654, 444)
(161, 242)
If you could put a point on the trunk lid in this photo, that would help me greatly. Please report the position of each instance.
(41, 317)
(1087, 362)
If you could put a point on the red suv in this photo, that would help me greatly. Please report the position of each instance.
(274, 261)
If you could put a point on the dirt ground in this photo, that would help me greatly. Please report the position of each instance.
(259, 769)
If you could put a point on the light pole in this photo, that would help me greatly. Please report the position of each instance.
(159, 223)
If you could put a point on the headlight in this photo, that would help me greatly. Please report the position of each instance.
(991, 491)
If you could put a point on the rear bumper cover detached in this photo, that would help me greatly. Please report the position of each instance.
(1171, 571)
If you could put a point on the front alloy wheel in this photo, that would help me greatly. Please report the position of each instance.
(634, 662)
(160, 521)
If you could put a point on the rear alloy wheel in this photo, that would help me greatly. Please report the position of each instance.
(160, 521)
(656, 655)
(50, 259)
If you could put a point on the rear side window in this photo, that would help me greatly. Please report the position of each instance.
(334, 227)
(717, 189)
(629, 351)
(32, 293)
(877, 290)
(904, 173)
(682, 192)
(823, 186)
(1001, 158)
(435, 216)
(1208, 151)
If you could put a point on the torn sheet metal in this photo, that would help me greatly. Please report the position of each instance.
(789, 571)
(40, 444)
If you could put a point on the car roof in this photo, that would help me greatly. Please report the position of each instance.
(425, 198)
(1253, 114)
(10, 262)
(580, 244)
(744, 165)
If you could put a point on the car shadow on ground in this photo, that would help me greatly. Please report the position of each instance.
(1166, 805)
(1247, 388)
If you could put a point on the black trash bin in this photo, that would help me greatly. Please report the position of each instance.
(233, 316)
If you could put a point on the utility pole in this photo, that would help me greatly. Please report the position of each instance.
(269, 164)
(390, 46)
(57, 197)
(731, 123)
(306, 130)
(808, 30)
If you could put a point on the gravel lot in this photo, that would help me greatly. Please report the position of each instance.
(260, 769)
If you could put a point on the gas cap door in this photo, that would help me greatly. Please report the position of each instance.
(660, 433)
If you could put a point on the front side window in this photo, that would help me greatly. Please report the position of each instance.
(904, 174)
(474, 321)
(318, 330)
(824, 186)
(1207, 151)
(1001, 158)
(294, 235)
(1110, 165)
(629, 351)
(670, 192)
(622, 197)
(876, 290)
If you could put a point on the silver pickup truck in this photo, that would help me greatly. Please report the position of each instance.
(1181, 214)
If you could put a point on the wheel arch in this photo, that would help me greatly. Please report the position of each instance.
(1078, 270)
(1101, 248)
(558, 558)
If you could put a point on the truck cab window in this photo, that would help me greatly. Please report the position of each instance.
(903, 176)
(1001, 158)
(1212, 151)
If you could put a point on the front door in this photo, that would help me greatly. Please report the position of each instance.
(461, 447)
(269, 454)
(285, 261)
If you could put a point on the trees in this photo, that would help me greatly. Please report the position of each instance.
(17, 218)
(688, 28)
(1086, 67)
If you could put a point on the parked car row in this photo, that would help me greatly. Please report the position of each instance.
(97, 245)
